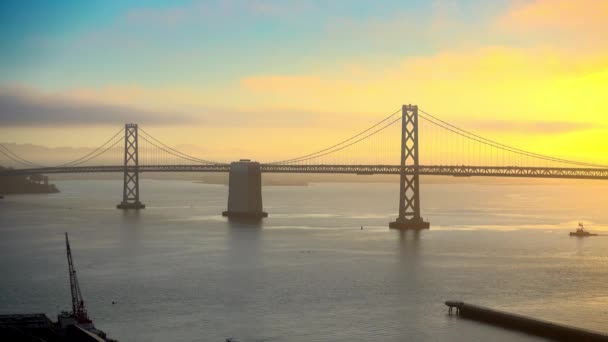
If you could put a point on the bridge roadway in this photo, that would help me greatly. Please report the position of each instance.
(430, 170)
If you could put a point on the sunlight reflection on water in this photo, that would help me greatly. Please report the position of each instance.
(180, 272)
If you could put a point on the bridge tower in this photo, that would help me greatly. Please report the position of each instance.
(409, 184)
(130, 190)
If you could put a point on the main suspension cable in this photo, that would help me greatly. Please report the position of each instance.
(352, 143)
(472, 136)
(321, 152)
(77, 161)
(98, 154)
(16, 158)
(175, 152)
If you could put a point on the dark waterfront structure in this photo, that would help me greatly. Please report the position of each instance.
(245, 196)
(557, 332)
(37, 327)
(28, 327)
(74, 326)
(245, 191)
(25, 184)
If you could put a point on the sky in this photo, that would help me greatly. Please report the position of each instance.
(233, 77)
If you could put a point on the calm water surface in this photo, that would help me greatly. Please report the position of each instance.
(178, 271)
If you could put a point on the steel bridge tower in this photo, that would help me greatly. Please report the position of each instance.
(130, 190)
(409, 184)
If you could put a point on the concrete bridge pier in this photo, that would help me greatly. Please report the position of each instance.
(245, 191)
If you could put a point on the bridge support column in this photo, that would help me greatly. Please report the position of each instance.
(245, 191)
(409, 184)
(130, 190)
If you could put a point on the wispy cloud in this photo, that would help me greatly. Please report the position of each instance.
(561, 15)
(537, 78)
(27, 107)
(577, 24)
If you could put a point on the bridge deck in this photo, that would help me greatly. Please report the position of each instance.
(430, 170)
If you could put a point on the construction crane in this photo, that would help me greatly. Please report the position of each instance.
(79, 312)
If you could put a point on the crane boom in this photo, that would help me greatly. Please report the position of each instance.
(79, 312)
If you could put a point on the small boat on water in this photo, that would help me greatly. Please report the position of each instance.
(581, 232)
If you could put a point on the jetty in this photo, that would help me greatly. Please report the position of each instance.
(533, 326)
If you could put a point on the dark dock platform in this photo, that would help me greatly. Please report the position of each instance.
(37, 327)
(532, 326)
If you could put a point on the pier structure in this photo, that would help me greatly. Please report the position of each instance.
(245, 191)
(533, 326)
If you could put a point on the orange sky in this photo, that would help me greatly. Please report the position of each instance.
(504, 76)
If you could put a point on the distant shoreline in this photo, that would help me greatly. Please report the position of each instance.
(271, 183)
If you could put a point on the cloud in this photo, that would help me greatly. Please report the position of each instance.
(488, 79)
(21, 106)
(27, 107)
(561, 15)
(209, 106)
(577, 24)
(260, 117)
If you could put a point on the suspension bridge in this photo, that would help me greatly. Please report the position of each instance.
(423, 144)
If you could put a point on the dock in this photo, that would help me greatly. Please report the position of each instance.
(533, 326)
(38, 327)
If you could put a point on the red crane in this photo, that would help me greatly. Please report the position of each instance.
(79, 312)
